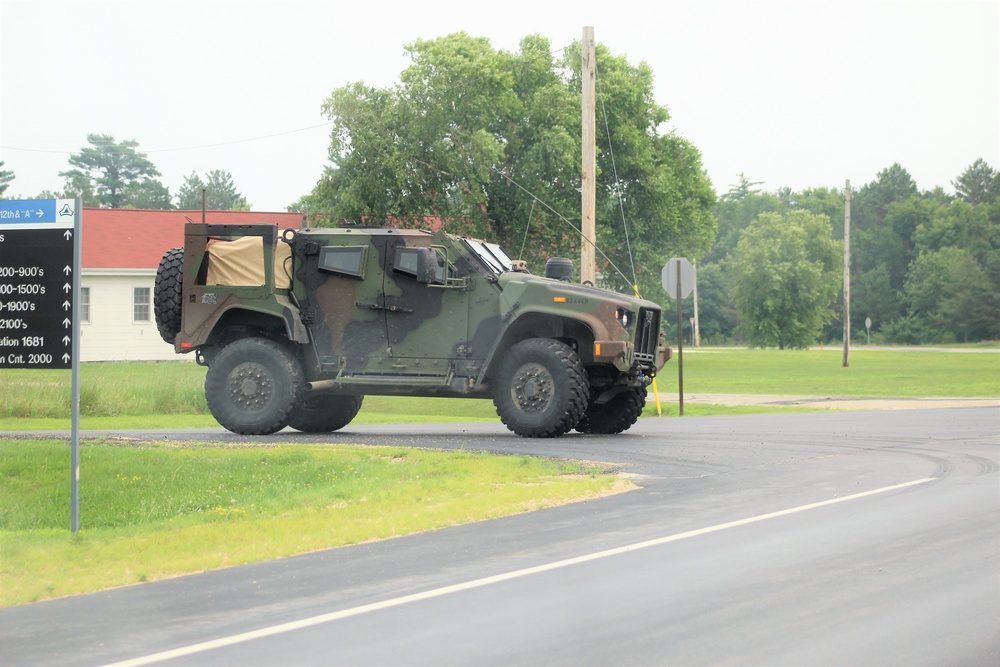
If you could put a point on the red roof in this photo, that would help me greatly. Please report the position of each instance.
(120, 238)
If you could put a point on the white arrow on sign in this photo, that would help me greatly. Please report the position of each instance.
(68, 234)
(66, 323)
(67, 305)
(66, 358)
(67, 340)
(67, 287)
(67, 270)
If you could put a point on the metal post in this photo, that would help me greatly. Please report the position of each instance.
(680, 344)
(75, 390)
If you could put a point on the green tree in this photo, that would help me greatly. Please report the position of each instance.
(147, 194)
(960, 225)
(950, 291)
(488, 142)
(873, 296)
(717, 314)
(6, 176)
(111, 167)
(978, 184)
(893, 184)
(220, 193)
(735, 210)
(786, 272)
(78, 185)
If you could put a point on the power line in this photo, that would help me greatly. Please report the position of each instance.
(185, 148)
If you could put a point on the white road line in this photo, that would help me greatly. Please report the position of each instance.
(486, 581)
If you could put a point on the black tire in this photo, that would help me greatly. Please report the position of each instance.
(253, 386)
(541, 388)
(324, 411)
(615, 416)
(167, 292)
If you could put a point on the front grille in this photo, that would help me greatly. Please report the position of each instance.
(647, 336)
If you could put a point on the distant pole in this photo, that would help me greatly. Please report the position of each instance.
(847, 273)
(697, 329)
(588, 184)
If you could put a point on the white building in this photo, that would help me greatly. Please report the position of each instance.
(121, 251)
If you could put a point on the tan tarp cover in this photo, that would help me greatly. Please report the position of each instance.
(236, 263)
(283, 266)
(240, 263)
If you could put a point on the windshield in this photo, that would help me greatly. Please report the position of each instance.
(492, 255)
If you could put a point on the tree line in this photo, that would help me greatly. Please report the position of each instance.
(925, 265)
(116, 174)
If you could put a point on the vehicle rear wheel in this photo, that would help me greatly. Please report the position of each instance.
(615, 416)
(541, 388)
(325, 411)
(167, 291)
(253, 386)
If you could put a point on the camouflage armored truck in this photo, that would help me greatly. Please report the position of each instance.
(296, 327)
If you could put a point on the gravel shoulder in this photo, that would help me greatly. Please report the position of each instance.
(836, 402)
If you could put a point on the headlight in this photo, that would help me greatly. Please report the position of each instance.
(624, 317)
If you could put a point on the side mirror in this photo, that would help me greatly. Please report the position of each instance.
(431, 267)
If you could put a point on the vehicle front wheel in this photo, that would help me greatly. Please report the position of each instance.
(541, 388)
(253, 386)
(615, 416)
(325, 411)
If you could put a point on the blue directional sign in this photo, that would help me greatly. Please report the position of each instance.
(37, 266)
(36, 213)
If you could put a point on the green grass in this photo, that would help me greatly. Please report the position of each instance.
(375, 410)
(106, 390)
(871, 373)
(150, 511)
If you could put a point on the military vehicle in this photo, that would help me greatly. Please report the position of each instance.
(296, 327)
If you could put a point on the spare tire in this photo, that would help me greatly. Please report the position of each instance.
(167, 292)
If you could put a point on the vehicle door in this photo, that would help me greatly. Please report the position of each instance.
(426, 308)
(347, 321)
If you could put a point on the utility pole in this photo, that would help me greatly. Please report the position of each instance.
(847, 273)
(588, 184)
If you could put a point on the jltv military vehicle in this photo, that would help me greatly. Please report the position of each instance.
(296, 327)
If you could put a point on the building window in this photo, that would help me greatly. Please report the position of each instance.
(140, 304)
(85, 304)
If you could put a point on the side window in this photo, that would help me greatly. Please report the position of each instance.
(427, 265)
(348, 260)
(406, 261)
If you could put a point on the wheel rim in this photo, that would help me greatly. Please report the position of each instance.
(250, 386)
(532, 388)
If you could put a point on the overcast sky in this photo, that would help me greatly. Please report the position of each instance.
(791, 93)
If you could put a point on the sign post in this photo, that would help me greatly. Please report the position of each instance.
(40, 241)
(678, 279)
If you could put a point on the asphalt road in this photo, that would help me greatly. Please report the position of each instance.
(861, 538)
